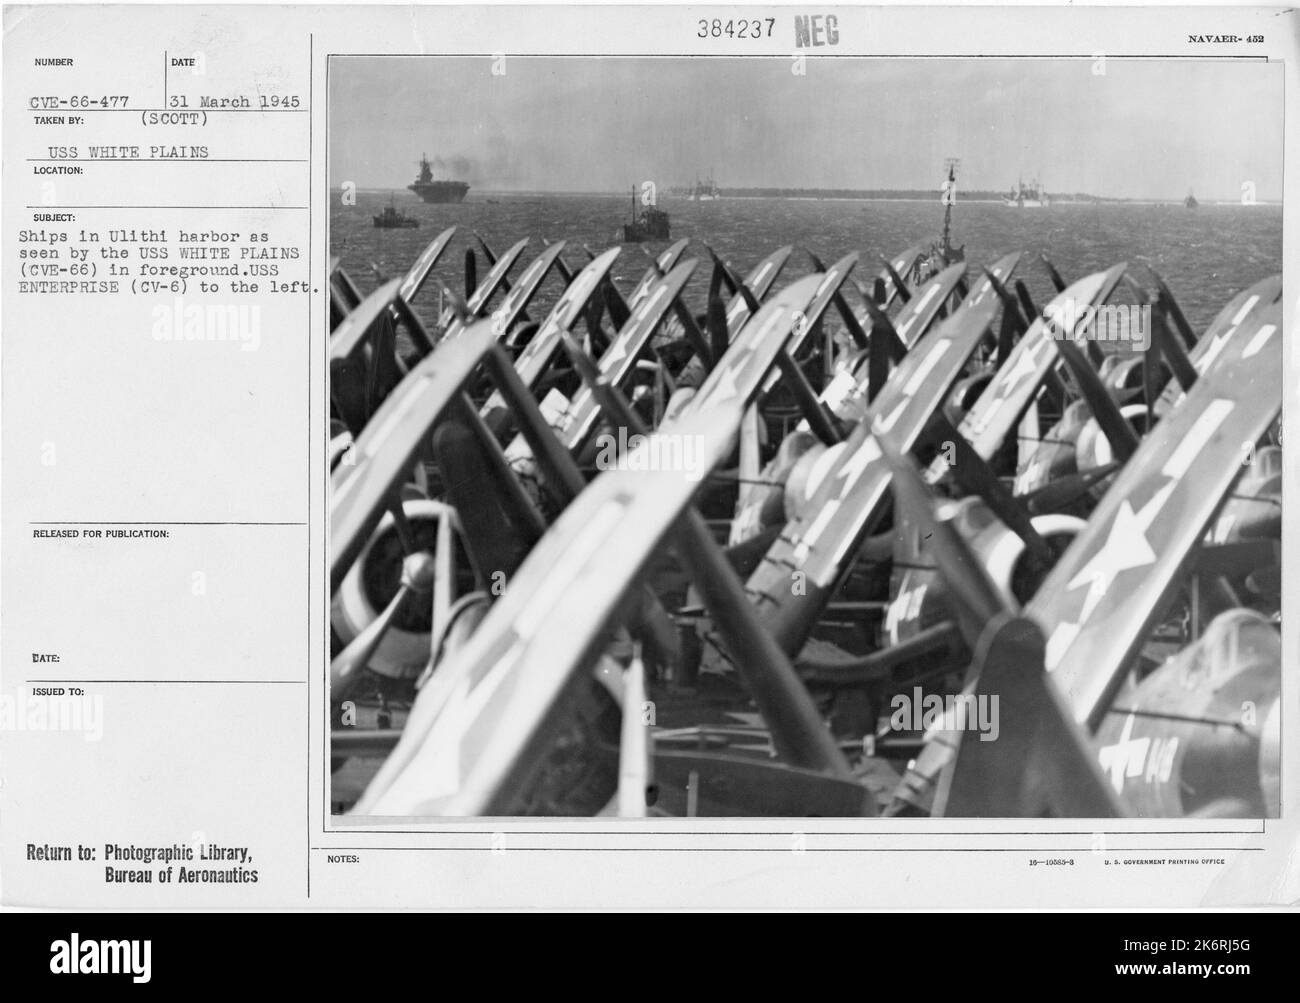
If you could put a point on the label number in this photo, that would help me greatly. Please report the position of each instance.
(717, 28)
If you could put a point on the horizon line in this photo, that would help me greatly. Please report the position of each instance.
(908, 194)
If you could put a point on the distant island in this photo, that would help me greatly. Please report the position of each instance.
(930, 194)
(901, 194)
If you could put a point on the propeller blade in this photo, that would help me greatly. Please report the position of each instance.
(492, 260)
(615, 304)
(819, 416)
(882, 329)
(715, 279)
(634, 760)
(1151, 375)
(735, 283)
(976, 597)
(1013, 323)
(402, 525)
(728, 276)
(1065, 491)
(565, 271)
(456, 303)
(487, 251)
(1150, 385)
(974, 474)
(586, 368)
(719, 339)
(1173, 352)
(471, 272)
(903, 293)
(693, 333)
(1057, 281)
(1026, 301)
(1011, 306)
(592, 316)
(382, 372)
(1166, 298)
(751, 300)
(850, 322)
(345, 671)
(654, 261)
(1123, 440)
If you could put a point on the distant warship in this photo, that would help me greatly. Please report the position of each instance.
(437, 191)
(705, 191)
(651, 224)
(1027, 196)
(393, 218)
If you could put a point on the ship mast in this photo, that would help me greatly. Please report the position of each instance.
(951, 163)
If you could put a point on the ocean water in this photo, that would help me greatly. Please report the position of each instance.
(1205, 255)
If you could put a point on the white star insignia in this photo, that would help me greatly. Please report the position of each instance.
(1126, 548)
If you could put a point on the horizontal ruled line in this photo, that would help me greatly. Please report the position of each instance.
(168, 160)
(785, 849)
(168, 111)
(664, 828)
(119, 206)
(1079, 57)
(217, 682)
(154, 522)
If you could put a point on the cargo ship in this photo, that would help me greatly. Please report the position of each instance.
(705, 191)
(440, 191)
(1027, 196)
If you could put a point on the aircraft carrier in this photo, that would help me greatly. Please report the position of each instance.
(436, 191)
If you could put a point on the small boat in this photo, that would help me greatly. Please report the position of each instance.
(393, 218)
(1190, 202)
(651, 224)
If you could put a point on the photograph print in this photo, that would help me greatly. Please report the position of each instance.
(866, 437)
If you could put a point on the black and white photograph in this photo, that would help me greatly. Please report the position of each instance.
(788, 436)
(626, 457)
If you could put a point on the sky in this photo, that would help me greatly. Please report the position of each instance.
(1142, 129)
